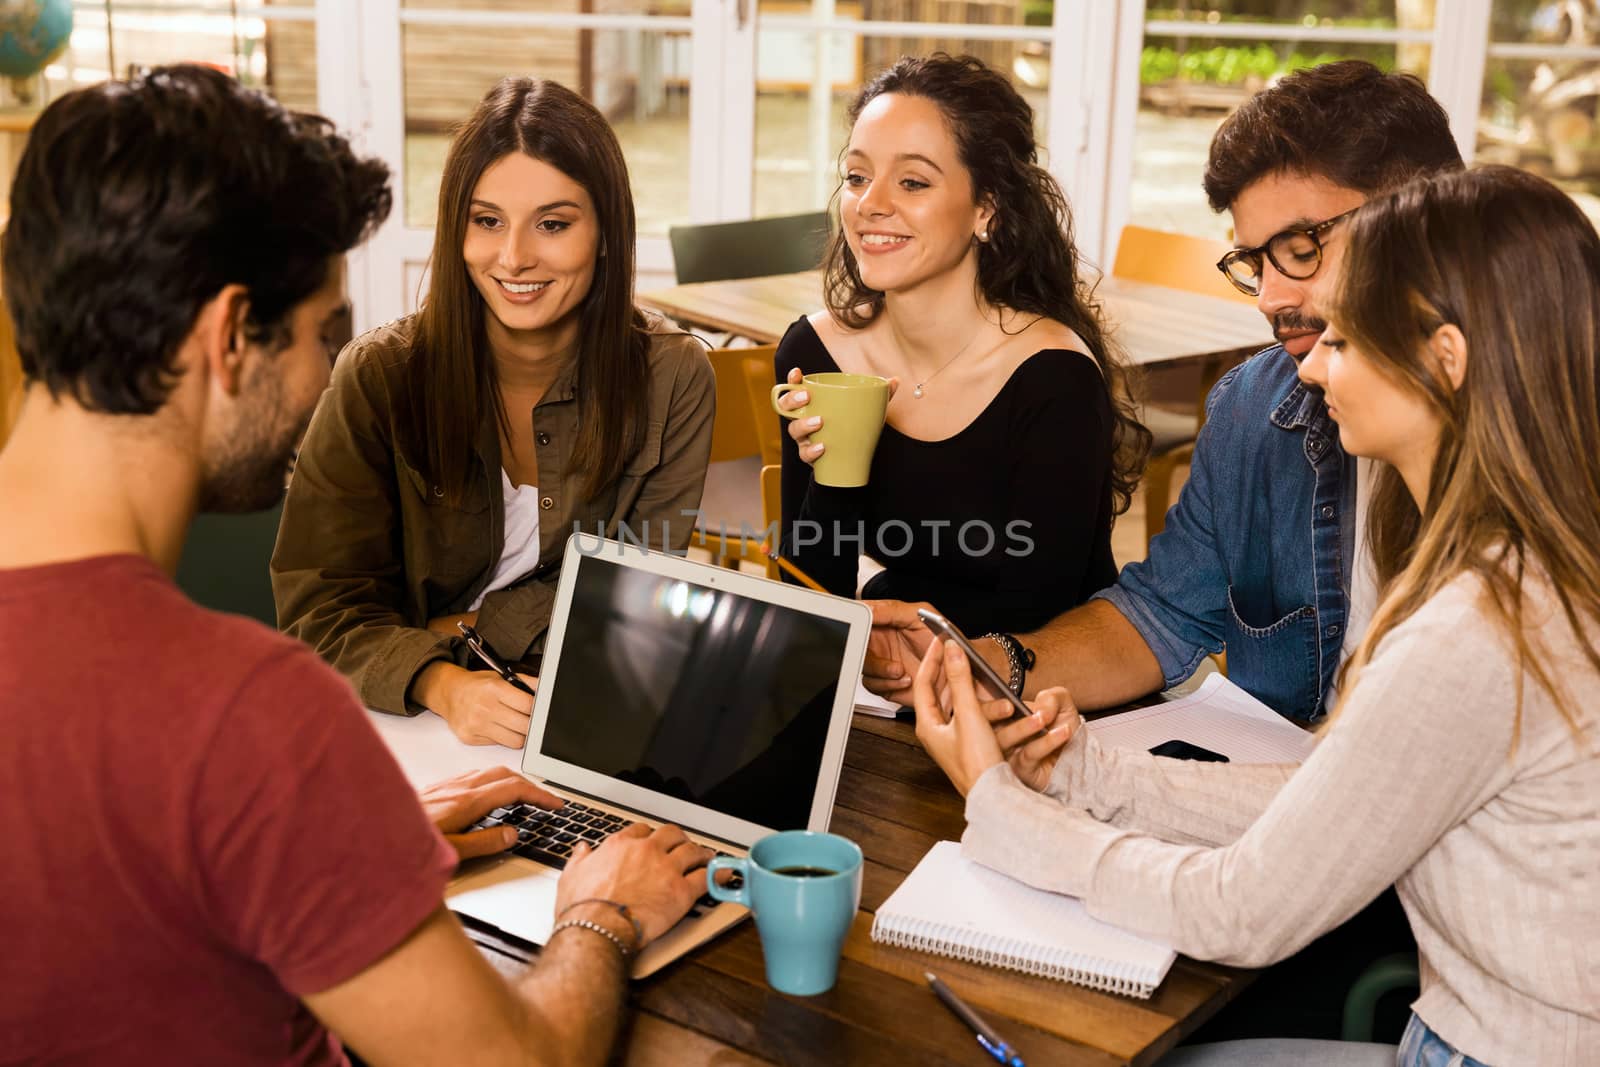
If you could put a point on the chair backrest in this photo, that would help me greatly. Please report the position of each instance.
(225, 561)
(733, 436)
(1176, 260)
(10, 377)
(758, 383)
(784, 244)
(771, 505)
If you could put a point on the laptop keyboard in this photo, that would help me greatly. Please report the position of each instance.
(548, 837)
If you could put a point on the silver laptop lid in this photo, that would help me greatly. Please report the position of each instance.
(695, 694)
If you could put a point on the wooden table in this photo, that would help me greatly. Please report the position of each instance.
(1153, 323)
(714, 1005)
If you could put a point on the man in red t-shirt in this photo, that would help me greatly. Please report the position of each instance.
(209, 856)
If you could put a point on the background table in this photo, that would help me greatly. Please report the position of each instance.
(1154, 324)
(714, 1006)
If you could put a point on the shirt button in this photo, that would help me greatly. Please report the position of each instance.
(1327, 511)
(542, 438)
(1332, 630)
(547, 503)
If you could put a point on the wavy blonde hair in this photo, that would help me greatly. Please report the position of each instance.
(1513, 263)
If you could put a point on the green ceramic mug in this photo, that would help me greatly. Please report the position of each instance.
(852, 407)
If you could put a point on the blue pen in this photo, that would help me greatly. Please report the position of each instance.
(992, 1043)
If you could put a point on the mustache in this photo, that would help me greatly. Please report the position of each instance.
(1287, 322)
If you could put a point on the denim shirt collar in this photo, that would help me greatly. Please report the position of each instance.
(1299, 409)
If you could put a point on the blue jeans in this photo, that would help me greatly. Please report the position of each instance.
(1420, 1047)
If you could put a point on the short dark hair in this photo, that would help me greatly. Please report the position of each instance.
(1348, 122)
(136, 201)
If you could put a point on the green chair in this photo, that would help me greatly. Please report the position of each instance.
(783, 244)
(1382, 977)
(224, 563)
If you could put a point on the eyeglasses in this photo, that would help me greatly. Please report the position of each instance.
(1295, 253)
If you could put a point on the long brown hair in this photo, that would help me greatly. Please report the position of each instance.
(1513, 263)
(1029, 263)
(452, 376)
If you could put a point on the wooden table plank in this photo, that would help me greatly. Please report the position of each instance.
(1152, 323)
(714, 1006)
(903, 1009)
(1123, 1026)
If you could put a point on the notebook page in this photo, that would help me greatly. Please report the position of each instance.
(870, 703)
(1218, 716)
(953, 899)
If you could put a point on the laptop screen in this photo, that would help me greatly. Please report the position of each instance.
(698, 693)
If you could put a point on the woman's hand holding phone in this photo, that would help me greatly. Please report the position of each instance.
(967, 741)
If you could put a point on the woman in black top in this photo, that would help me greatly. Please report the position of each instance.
(1010, 443)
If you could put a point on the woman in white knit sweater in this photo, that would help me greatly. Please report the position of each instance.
(1463, 763)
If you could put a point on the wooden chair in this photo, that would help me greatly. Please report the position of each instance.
(732, 497)
(771, 505)
(783, 244)
(758, 383)
(10, 377)
(1179, 261)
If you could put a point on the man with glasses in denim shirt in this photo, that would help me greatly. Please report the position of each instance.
(1257, 554)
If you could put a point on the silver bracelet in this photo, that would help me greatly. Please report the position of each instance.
(585, 924)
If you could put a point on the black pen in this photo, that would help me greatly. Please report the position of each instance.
(992, 1043)
(475, 642)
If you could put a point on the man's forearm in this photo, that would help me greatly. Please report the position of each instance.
(1093, 651)
(575, 994)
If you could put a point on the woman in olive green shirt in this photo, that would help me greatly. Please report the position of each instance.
(457, 448)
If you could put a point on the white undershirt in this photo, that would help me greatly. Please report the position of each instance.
(521, 553)
(1363, 574)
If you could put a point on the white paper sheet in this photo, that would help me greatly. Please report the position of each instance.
(870, 703)
(428, 752)
(1218, 716)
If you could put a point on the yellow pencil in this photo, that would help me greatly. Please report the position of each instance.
(790, 569)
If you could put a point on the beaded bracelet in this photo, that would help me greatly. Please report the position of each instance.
(638, 930)
(585, 924)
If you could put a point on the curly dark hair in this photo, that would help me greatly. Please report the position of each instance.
(1029, 263)
(1347, 121)
(136, 201)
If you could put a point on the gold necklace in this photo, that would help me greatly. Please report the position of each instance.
(916, 394)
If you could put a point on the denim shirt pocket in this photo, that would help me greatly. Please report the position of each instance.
(1275, 662)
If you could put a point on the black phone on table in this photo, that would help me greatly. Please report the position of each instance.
(1184, 750)
(942, 628)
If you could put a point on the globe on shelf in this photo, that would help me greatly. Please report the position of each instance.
(32, 34)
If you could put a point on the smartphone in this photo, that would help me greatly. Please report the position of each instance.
(1184, 750)
(941, 627)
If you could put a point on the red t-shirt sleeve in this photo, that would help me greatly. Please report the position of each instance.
(314, 856)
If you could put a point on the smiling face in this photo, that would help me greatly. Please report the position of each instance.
(907, 205)
(1279, 202)
(531, 244)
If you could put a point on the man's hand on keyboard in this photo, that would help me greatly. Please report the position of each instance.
(658, 874)
(457, 803)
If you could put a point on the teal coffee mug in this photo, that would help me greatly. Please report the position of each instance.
(803, 889)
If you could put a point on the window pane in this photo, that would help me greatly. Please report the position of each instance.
(278, 55)
(1189, 83)
(1541, 114)
(799, 133)
(639, 79)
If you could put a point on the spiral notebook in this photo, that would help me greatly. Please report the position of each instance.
(954, 907)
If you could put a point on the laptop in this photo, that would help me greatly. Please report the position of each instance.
(672, 692)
